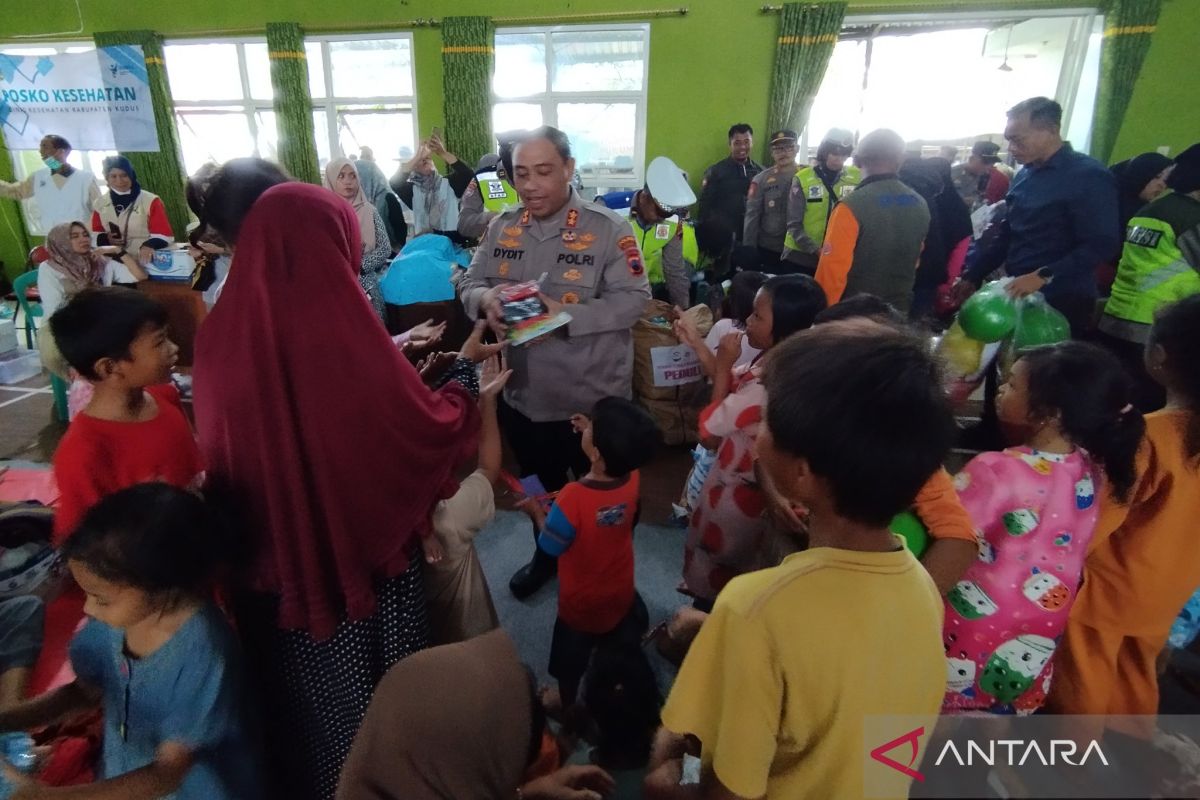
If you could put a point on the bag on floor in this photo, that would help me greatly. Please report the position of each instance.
(652, 331)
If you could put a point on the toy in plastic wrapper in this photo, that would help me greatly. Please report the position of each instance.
(990, 314)
(17, 750)
(703, 459)
(529, 488)
(526, 315)
(966, 360)
(1186, 626)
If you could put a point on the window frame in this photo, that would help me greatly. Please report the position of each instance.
(247, 105)
(549, 99)
(1070, 73)
(328, 105)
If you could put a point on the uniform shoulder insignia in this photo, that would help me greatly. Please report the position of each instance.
(607, 213)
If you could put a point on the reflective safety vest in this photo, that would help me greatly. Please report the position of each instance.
(1153, 270)
(652, 240)
(819, 203)
(497, 193)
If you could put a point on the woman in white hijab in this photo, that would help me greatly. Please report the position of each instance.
(433, 197)
(342, 179)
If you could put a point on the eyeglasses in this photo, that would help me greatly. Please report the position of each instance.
(784, 146)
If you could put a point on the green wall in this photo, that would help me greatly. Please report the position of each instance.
(708, 69)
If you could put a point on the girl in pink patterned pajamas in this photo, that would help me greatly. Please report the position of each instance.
(726, 528)
(1035, 509)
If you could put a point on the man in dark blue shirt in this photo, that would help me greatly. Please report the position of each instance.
(1061, 221)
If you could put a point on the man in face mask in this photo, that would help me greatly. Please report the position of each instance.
(60, 192)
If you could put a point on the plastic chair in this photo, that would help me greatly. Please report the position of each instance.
(30, 307)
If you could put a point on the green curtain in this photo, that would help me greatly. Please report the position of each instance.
(293, 101)
(14, 239)
(161, 173)
(807, 34)
(467, 58)
(1128, 28)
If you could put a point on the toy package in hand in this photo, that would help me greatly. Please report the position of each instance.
(526, 315)
(529, 487)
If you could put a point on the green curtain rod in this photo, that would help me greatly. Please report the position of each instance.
(370, 27)
(909, 8)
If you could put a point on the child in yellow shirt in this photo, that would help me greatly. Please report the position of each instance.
(782, 678)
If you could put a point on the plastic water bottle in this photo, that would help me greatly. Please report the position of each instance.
(17, 749)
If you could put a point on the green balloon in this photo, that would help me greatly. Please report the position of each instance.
(988, 315)
(909, 527)
(1040, 324)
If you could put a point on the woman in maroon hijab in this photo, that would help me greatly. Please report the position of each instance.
(333, 452)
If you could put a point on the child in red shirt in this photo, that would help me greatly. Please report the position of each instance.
(134, 429)
(589, 529)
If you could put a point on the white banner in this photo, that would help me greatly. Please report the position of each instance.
(675, 366)
(99, 100)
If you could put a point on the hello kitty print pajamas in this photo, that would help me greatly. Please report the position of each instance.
(1034, 515)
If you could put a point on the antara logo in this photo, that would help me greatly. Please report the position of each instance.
(1017, 752)
(912, 739)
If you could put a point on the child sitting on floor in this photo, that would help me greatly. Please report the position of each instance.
(589, 529)
(622, 701)
(460, 605)
(1035, 507)
(157, 656)
(133, 430)
(1142, 565)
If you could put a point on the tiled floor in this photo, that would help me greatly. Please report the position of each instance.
(29, 429)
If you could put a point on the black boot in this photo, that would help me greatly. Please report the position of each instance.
(533, 576)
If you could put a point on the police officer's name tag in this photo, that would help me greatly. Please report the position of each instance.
(675, 366)
(495, 190)
(662, 231)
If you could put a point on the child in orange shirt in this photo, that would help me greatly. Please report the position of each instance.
(1143, 565)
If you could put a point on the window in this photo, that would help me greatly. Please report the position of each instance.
(947, 80)
(222, 93)
(588, 81)
(27, 162)
(363, 96)
(362, 90)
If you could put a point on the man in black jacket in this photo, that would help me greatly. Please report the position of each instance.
(723, 191)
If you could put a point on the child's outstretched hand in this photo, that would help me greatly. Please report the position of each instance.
(580, 422)
(730, 348)
(493, 379)
(475, 349)
(433, 549)
(570, 783)
(434, 366)
(426, 334)
(685, 330)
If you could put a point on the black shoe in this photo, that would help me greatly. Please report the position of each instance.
(533, 576)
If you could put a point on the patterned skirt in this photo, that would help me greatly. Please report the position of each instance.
(313, 695)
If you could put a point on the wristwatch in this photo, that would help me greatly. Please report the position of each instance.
(1046, 274)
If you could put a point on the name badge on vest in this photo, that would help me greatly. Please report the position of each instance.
(816, 192)
(495, 190)
(662, 231)
(846, 190)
